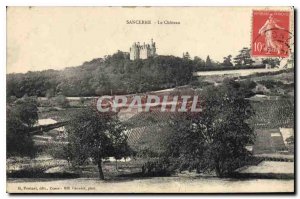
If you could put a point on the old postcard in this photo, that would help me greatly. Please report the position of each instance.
(150, 100)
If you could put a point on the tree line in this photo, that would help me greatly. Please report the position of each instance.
(117, 74)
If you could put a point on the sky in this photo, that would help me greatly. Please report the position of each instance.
(40, 38)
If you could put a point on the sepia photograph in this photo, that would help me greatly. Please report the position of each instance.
(150, 99)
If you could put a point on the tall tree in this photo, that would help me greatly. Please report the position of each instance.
(244, 58)
(208, 62)
(227, 61)
(198, 63)
(95, 135)
(215, 139)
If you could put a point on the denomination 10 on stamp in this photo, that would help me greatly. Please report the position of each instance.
(271, 33)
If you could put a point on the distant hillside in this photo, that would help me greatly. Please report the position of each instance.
(114, 74)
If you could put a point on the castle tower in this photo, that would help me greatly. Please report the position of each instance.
(134, 52)
(152, 48)
(144, 51)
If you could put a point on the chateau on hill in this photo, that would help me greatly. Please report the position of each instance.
(138, 51)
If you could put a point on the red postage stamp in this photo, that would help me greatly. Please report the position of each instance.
(270, 33)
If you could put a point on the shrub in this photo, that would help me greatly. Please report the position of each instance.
(62, 101)
(58, 151)
(159, 167)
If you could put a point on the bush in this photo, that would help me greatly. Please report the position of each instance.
(290, 140)
(20, 117)
(62, 101)
(271, 83)
(58, 151)
(160, 167)
(82, 100)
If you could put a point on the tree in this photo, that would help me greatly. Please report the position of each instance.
(21, 116)
(244, 58)
(216, 138)
(273, 62)
(95, 135)
(186, 55)
(227, 61)
(59, 151)
(208, 62)
(199, 63)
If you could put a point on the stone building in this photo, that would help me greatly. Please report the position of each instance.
(144, 51)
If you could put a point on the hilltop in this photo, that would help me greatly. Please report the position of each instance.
(115, 74)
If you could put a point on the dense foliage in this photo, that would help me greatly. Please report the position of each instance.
(215, 139)
(21, 115)
(115, 74)
(97, 136)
